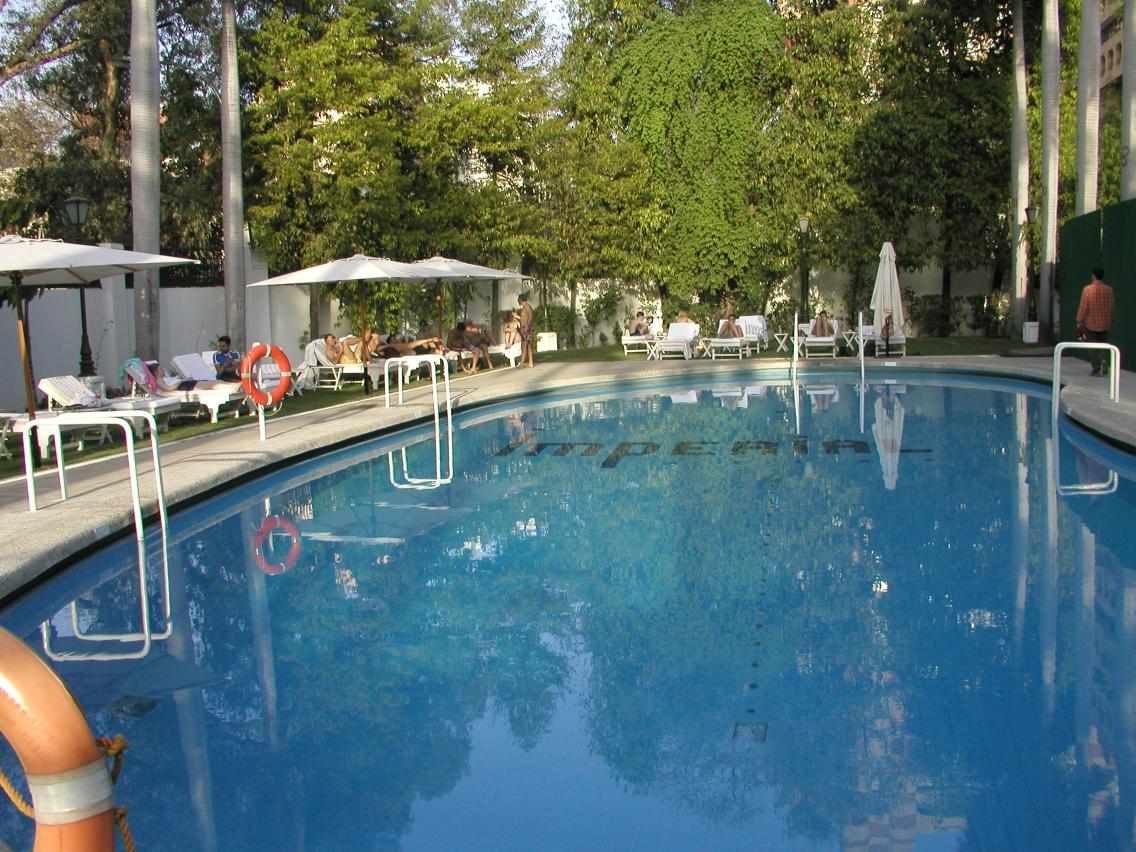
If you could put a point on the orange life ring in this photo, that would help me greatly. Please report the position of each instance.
(272, 523)
(248, 378)
(67, 774)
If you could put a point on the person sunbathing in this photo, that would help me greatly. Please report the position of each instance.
(422, 346)
(730, 328)
(821, 325)
(170, 384)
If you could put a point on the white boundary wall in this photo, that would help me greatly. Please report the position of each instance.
(193, 317)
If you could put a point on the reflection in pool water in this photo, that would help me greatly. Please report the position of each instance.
(714, 617)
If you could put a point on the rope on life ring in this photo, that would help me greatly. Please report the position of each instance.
(249, 378)
(72, 796)
(263, 535)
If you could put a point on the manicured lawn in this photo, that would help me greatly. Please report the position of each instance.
(314, 399)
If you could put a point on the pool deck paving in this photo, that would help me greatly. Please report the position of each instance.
(99, 502)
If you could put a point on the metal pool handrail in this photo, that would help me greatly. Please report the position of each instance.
(437, 363)
(1113, 370)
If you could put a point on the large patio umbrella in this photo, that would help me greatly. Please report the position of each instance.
(888, 432)
(46, 263)
(359, 268)
(448, 269)
(886, 298)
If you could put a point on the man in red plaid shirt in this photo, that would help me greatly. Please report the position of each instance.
(1094, 317)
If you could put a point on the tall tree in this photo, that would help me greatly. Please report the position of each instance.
(145, 168)
(1019, 170)
(1128, 105)
(1050, 156)
(1088, 107)
(232, 179)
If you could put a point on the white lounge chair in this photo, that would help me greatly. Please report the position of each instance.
(510, 353)
(635, 344)
(318, 370)
(212, 399)
(67, 392)
(756, 332)
(680, 341)
(725, 347)
(816, 344)
(896, 345)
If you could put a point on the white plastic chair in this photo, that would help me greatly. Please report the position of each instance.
(679, 343)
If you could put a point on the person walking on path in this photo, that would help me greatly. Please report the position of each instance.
(1094, 318)
(525, 330)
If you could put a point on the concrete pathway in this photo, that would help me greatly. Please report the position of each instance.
(99, 491)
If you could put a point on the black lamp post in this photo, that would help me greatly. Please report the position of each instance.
(78, 210)
(803, 228)
(1031, 279)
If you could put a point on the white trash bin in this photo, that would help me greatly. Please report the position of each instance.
(1030, 332)
(546, 341)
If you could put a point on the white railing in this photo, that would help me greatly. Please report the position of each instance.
(55, 425)
(405, 365)
(1113, 370)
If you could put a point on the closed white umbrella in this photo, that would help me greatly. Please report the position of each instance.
(27, 262)
(888, 432)
(886, 297)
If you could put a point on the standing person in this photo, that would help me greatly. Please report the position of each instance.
(526, 330)
(1094, 318)
(226, 360)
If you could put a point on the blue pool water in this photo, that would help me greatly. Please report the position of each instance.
(729, 616)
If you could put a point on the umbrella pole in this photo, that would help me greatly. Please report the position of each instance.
(22, 333)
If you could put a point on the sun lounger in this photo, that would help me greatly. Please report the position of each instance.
(725, 347)
(756, 332)
(212, 399)
(67, 392)
(319, 371)
(511, 353)
(815, 344)
(679, 343)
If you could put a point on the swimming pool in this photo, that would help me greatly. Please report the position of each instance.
(731, 615)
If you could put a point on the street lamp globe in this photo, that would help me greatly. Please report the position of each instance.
(803, 224)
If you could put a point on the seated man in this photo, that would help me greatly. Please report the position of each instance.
(478, 335)
(821, 326)
(456, 341)
(227, 360)
(639, 327)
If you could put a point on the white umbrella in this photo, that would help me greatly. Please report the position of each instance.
(45, 263)
(886, 298)
(359, 267)
(888, 432)
(448, 268)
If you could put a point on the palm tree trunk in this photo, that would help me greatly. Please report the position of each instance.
(1019, 171)
(1050, 140)
(1128, 105)
(232, 192)
(1088, 108)
(145, 169)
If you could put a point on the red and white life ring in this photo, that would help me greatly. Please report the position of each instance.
(270, 525)
(67, 774)
(249, 377)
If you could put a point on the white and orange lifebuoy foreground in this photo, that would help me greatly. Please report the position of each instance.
(263, 538)
(67, 774)
(249, 377)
